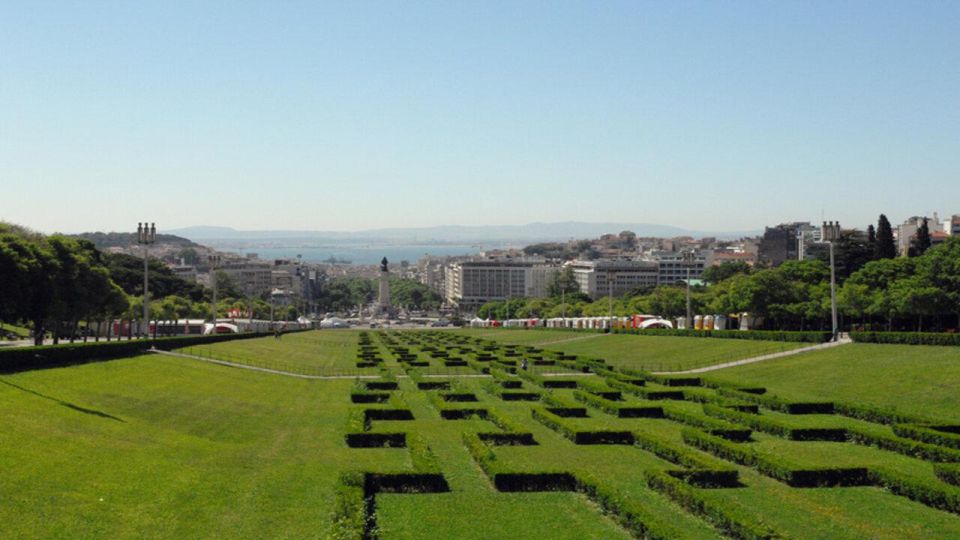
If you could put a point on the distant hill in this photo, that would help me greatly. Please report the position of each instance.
(532, 232)
(124, 239)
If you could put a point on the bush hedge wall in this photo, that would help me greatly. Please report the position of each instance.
(68, 354)
(906, 338)
(762, 335)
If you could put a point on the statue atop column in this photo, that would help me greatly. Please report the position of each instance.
(383, 304)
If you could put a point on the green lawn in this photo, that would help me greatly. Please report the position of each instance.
(656, 353)
(319, 352)
(162, 447)
(921, 380)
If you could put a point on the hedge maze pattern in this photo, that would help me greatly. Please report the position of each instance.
(691, 436)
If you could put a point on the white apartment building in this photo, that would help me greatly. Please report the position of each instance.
(253, 277)
(907, 231)
(673, 268)
(614, 277)
(470, 284)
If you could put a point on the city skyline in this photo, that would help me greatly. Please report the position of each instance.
(383, 115)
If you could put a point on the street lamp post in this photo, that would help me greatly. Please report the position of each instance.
(609, 299)
(833, 292)
(214, 264)
(688, 261)
(146, 235)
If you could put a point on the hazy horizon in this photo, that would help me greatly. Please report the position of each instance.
(357, 116)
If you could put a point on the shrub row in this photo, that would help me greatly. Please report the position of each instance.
(776, 467)
(948, 472)
(630, 513)
(928, 434)
(617, 408)
(578, 436)
(907, 447)
(729, 520)
(509, 394)
(877, 415)
(701, 471)
(906, 338)
(404, 483)
(644, 392)
(68, 354)
(776, 403)
(369, 397)
(547, 382)
(774, 427)
(928, 492)
(763, 335)
(349, 514)
(712, 426)
(504, 422)
(376, 440)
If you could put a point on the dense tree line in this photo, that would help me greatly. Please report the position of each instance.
(347, 293)
(53, 281)
(905, 293)
(56, 284)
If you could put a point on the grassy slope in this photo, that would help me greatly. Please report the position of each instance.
(162, 447)
(326, 351)
(181, 448)
(473, 509)
(916, 379)
(666, 353)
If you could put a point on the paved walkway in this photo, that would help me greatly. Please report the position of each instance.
(843, 341)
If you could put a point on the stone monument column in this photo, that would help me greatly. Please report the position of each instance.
(384, 301)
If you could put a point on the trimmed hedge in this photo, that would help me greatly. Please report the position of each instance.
(349, 513)
(616, 408)
(907, 338)
(376, 440)
(644, 392)
(507, 391)
(774, 427)
(948, 472)
(776, 403)
(630, 513)
(729, 520)
(578, 436)
(763, 335)
(712, 426)
(704, 472)
(68, 354)
(907, 447)
(928, 492)
(932, 434)
(776, 467)
(876, 415)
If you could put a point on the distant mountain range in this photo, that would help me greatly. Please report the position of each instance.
(532, 232)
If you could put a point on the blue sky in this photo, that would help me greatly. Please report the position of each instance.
(304, 115)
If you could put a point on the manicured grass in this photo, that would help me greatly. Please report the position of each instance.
(921, 380)
(163, 447)
(493, 515)
(167, 447)
(655, 353)
(319, 352)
